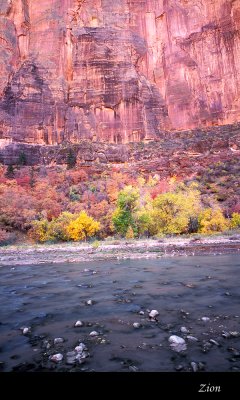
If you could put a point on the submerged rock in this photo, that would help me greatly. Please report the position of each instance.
(26, 330)
(58, 340)
(94, 333)
(89, 302)
(194, 366)
(136, 325)
(81, 347)
(56, 358)
(78, 324)
(153, 314)
(177, 343)
(205, 319)
(183, 329)
(235, 334)
(214, 342)
(192, 338)
(226, 335)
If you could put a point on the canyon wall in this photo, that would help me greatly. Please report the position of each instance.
(116, 71)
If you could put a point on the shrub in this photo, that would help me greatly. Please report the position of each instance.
(82, 227)
(130, 233)
(39, 231)
(235, 220)
(6, 237)
(212, 220)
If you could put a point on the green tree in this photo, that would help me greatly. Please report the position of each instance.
(32, 179)
(71, 159)
(22, 159)
(124, 215)
(10, 172)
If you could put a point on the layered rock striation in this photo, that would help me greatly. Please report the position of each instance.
(116, 71)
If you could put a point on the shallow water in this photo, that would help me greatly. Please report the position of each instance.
(51, 298)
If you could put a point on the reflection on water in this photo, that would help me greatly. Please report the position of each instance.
(51, 298)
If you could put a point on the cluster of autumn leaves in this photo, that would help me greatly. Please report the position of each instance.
(57, 204)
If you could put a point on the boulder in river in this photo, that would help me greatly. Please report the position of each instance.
(183, 329)
(58, 340)
(177, 343)
(56, 358)
(192, 338)
(94, 333)
(205, 319)
(153, 314)
(136, 325)
(194, 366)
(26, 330)
(78, 324)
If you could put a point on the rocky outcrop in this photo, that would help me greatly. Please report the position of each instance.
(116, 72)
(182, 154)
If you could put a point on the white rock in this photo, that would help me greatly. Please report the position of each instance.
(226, 334)
(205, 319)
(46, 344)
(94, 333)
(177, 343)
(71, 360)
(192, 338)
(89, 302)
(235, 334)
(56, 358)
(25, 330)
(80, 357)
(153, 314)
(176, 340)
(136, 325)
(84, 354)
(141, 312)
(214, 342)
(194, 366)
(184, 329)
(80, 348)
(58, 340)
(78, 324)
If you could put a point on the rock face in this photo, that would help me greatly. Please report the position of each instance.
(116, 71)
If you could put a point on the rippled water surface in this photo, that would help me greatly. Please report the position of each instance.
(51, 298)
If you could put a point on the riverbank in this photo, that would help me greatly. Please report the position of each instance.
(118, 250)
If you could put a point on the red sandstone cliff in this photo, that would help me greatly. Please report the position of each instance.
(116, 71)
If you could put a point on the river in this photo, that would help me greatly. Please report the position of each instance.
(49, 299)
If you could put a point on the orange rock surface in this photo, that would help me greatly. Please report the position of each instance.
(116, 71)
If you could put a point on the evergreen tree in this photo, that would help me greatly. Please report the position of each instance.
(71, 159)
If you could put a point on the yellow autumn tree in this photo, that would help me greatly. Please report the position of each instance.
(212, 220)
(172, 212)
(235, 221)
(39, 231)
(130, 233)
(82, 227)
